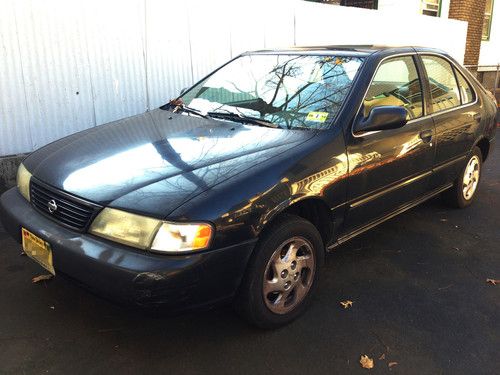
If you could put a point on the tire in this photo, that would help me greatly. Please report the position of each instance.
(459, 196)
(282, 275)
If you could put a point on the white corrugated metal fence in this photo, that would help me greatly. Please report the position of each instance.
(67, 65)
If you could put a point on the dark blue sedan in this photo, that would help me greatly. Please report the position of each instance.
(236, 190)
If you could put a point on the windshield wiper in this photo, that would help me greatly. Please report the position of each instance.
(242, 118)
(184, 108)
(176, 105)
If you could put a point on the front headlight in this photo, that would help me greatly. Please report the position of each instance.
(182, 237)
(23, 181)
(151, 234)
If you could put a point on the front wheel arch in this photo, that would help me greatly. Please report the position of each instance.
(249, 300)
(313, 209)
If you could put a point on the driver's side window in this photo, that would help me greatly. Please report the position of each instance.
(396, 83)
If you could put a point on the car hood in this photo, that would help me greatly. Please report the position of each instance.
(159, 158)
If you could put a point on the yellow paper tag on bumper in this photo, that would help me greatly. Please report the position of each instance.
(317, 116)
(38, 250)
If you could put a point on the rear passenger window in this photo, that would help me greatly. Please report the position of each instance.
(442, 83)
(465, 88)
(396, 83)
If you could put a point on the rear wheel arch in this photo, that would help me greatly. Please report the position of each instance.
(484, 145)
(468, 179)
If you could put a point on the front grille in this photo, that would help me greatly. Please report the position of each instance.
(71, 211)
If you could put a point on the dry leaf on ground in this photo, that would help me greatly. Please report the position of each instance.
(366, 362)
(445, 287)
(391, 364)
(382, 357)
(493, 281)
(346, 304)
(37, 279)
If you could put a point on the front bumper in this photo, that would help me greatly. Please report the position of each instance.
(122, 273)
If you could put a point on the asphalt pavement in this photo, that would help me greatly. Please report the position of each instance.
(420, 303)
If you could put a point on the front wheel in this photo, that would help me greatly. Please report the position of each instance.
(282, 274)
(464, 190)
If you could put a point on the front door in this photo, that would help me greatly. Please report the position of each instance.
(390, 168)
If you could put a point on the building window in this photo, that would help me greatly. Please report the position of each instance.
(334, 2)
(367, 4)
(431, 8)
(488, 14)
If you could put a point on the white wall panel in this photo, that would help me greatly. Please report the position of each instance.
(168, 50)
(115, 31)
(334, 25)
(15, 134)
(246, 27)
(56, 76)
(209, 30)
(278, 20)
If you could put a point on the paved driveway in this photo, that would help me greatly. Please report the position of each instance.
(418, 283)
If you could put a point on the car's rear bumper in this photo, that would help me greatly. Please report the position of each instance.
(123, 273)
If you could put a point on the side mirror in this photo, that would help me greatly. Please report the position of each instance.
(382, 118)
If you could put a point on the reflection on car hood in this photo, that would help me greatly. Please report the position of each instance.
(155, 155)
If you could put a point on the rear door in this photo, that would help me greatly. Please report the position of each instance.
(456, 113)
(389, 168)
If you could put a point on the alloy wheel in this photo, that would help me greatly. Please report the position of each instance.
(289, 275)
(471, 178)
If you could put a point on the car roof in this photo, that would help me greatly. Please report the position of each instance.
(363, 50)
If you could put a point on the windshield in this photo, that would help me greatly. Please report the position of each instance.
(291, 91)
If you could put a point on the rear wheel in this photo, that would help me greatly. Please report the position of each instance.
(464, 190)
(282, 274)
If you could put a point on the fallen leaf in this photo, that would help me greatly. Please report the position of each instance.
(493, 281)
(445, 287)
(391, 364)
(346, 304)
(382, 357)
(366, 362)
(37, 279)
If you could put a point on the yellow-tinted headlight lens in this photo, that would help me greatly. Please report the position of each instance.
(151, 234)
(23, 181)
(124, 227)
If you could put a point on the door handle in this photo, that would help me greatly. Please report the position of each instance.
(477, 117)
(426, 136)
